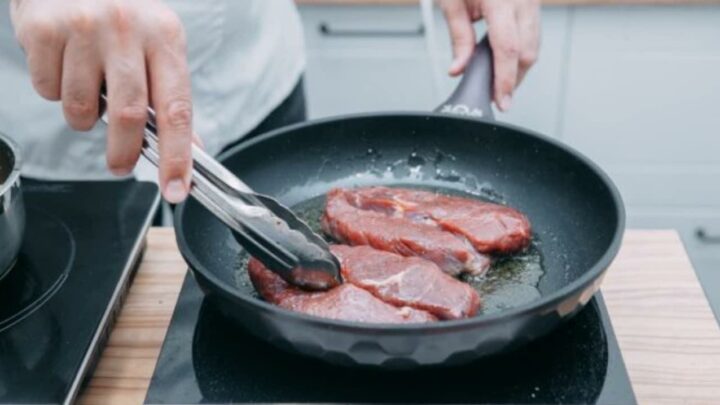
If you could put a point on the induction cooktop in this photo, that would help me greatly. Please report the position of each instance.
(82, 243)
(207, 359)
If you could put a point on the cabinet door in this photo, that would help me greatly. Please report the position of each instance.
(643, 84)
(338, 84)
(642, 100)
(366, 58)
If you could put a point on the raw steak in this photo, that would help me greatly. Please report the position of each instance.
(491, 228)
(346, 302)
(353, 225)
(407, 281)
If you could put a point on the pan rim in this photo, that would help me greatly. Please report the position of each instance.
(17, 164)
(544, 302)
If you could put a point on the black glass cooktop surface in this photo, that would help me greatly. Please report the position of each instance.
(82, 240)
(207, 359)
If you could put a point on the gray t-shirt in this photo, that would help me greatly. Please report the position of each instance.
(245, 57)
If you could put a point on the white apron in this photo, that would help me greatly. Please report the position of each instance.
(245, 58)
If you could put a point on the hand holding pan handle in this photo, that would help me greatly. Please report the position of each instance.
(473, 95)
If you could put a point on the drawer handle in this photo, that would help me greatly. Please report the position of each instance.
(326, 30)
(704, 236)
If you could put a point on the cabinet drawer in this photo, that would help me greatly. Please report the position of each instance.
(366, 58)
(363, 29)
(341, 84)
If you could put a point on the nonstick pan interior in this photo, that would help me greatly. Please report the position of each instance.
(575, 211)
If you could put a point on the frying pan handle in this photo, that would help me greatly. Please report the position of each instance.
(473, 96)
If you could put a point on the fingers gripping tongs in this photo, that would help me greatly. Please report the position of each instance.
(269, 231)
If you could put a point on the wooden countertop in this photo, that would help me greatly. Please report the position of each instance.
(544, 2)
(667, 333)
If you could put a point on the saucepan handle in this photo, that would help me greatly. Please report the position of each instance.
(473, 95)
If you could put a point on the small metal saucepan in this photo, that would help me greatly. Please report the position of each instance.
(12, 209)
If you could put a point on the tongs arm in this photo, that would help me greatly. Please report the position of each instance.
(268, 231)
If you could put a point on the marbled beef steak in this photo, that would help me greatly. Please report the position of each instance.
(491, 228)
(354, 225)
(346, 302)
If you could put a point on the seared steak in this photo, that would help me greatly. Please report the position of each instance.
(491, 228)
(405, 246)
(355, 225)
(345, 302)
(407, 281)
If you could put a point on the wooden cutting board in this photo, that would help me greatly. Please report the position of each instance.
(667, 333)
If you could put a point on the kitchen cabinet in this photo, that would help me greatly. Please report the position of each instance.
(641, 99)
(377, 58)
(363, 59)
(635, 88)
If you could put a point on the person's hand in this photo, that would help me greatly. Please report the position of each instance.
(514, 31)
(138, 48)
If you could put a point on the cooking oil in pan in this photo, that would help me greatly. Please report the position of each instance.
(242, 279)
(510, 282)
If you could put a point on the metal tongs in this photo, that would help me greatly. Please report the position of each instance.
(268, 230)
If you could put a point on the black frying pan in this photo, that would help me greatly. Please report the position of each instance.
(12, 209)
(576, 213)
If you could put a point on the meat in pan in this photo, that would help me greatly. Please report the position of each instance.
(407, 281)
(404, 247)
(491, 228)
(344, 302)
(353, 225)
